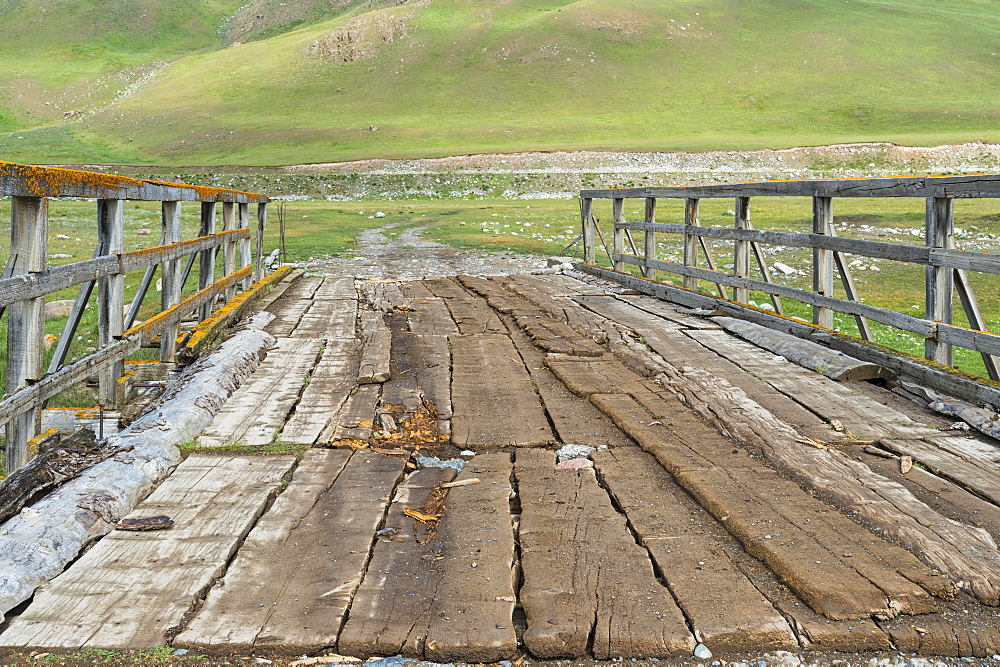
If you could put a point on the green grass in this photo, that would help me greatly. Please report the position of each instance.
(463, 77)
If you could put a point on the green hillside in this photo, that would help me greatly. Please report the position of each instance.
(438, 77)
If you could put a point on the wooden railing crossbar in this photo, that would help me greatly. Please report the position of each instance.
(26, 280)
(946, 267)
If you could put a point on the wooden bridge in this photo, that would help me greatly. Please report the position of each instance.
(722, 495)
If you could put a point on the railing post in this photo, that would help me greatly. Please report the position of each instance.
(691, 241)
(741, 249)
(940, 282)
(649, 244)
(110, 294)
(258, 260)
(244, 223)
(823, 260)
(171, 272)
(25, 319)
(618, 215)
(229, 247)
(206, 265)
(587, 229)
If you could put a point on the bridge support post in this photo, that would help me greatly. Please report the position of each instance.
(618, 214)
(206, 264)
(940, 283)
(741, 249)
(229, 248)
(649, 245)
(171, 272)
(25, 319)
(691, 241)
(110, 294)
(258, 261)
(823, 260)
(587, 229)
(245, 258)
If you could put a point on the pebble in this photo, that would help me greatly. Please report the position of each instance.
(570, 452)
(702, 652)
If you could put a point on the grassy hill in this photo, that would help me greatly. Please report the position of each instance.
(306, 81)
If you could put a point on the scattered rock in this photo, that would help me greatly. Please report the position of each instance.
(701, 652)
(56, 309)
(434, 462)
(143, 232)
(570, 452)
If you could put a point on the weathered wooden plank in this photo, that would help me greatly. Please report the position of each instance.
(324, 547)
(29, 180)
(471, 315)
(492, 397)
(390, 612)
(471, 619)
(600, 583)
(420, 383)
(963, 552)
(671, 314)
(292, 305)
(557, 284)
(675, 347)
(725, 609)
(431, 316)
(255, 413)
(132, 588)
(331, 383)
(336, 288)
(240, 607)
(376, 346)
(575, 419)
(834, 365)
(25, 319)
(776, 522)
(940, 635)
(328, 319)
(907, 367)
(353, 421)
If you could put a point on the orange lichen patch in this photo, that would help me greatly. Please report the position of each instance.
(25, 180)
(36, 443)
(154, 324)
(210, 327)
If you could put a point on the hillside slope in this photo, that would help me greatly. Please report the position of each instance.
(438, 77)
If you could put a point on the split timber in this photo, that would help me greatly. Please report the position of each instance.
(735, 499)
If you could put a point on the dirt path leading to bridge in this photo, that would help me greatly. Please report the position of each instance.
(408, 256)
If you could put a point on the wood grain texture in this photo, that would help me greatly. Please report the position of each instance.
(492, 397)
(255, 413)
(471, 619)
(132, 588)
(331, 383)
(390, 612)
(600, 583)
(321, 529)
(725, 609)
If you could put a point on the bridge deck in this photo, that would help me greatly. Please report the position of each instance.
(780, 522)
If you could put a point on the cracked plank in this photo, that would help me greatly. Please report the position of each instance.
(322, 548)
(133, 588)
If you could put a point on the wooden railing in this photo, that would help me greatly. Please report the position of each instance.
(27, 279)
(946, 268)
